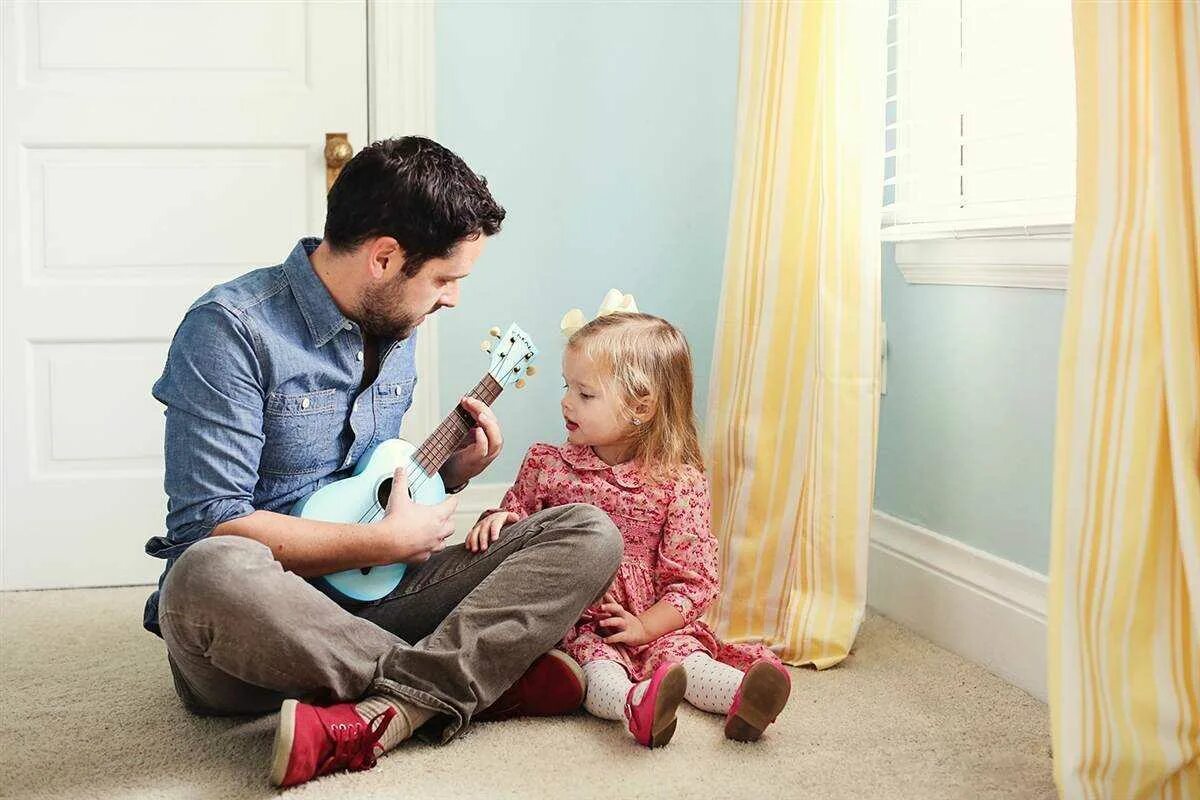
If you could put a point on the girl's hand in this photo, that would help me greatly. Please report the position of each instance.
(625, 628)
(487, 530)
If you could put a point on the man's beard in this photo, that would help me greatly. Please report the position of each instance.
(379, 313)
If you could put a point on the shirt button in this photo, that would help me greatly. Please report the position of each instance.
(349, 326)
(358, 355)
(305, 402)
(398, 391)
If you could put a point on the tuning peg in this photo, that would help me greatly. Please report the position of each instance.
(494, 331)
(521, 383)
(485, 346)
(531, 370)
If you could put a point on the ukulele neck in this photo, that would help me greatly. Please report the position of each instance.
(456, 429)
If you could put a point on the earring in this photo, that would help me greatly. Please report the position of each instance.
(636, 421)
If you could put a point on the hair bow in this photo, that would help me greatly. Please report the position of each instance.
(614, 302)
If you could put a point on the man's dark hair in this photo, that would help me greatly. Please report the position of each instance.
(415, 191)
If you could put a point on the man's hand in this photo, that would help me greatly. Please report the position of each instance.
(411, 532)
(624, 627)
(487, 530)
(469, 461)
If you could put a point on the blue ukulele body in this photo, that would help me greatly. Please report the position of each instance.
(362, 498)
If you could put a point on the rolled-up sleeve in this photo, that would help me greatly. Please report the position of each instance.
(212, 389)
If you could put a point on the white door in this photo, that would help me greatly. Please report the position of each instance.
(150, 150)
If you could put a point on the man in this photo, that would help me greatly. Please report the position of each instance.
(276, 383)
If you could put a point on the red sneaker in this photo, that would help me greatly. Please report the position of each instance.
(762, 695)
(312, 741)
(553, 685)
(652, 719)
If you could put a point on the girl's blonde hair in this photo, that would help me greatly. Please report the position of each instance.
(646, 358)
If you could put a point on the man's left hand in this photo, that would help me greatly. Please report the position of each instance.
(474, 458)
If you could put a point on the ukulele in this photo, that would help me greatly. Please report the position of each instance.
(363, 497)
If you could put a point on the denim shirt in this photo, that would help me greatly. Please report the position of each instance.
(263, 407)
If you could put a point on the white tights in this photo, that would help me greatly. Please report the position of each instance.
(710, 686)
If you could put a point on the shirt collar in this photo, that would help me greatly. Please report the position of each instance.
(582, 457)
(316, 304)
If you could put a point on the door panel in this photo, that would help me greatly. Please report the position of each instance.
(150, 150)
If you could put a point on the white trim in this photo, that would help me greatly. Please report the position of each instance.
(1005, 228)
(400, 101)
(400, 79)
(425, 413)
(986, 609)
(1040, 262)
(1017, 276)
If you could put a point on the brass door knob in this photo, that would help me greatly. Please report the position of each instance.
(337, 152)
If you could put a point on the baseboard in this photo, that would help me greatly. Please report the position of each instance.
(986, 609)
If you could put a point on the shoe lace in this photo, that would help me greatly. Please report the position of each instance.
(355, 743)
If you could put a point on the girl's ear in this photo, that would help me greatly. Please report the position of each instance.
(644, 407)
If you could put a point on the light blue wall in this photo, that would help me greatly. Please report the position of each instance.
(967, 425)
(606, 130)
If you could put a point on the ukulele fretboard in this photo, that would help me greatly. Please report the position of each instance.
(455, 430)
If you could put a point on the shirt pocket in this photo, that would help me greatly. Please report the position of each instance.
(302, 432)
(396, 392)
(395, 398)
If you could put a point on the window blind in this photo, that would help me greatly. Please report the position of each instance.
(980, 136)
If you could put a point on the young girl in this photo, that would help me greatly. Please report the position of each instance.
(632, 450)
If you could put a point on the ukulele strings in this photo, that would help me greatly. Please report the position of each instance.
(375, 511)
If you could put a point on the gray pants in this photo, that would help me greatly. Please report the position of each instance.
(242, 634)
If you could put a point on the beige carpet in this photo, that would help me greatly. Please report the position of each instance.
(88, 712)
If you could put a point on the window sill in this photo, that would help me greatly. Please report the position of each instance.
(1036, 259)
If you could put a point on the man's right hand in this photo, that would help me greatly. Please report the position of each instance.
(411, 532)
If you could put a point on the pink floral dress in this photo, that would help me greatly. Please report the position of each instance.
(670, 554)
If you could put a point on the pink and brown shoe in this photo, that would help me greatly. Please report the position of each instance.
(652, 717)
(553, 685)
(762, 695)
(313, 740)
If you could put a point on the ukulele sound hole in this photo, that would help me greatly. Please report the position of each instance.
(385, 491)
(381, 497)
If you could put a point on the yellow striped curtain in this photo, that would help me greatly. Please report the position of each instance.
(793, 408)
(1125, 562)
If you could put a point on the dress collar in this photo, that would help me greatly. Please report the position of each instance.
(582, 457)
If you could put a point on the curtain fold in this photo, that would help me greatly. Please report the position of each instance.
(793, 407)
(1125, 558)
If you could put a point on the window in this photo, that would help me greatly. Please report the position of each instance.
(980, 138)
